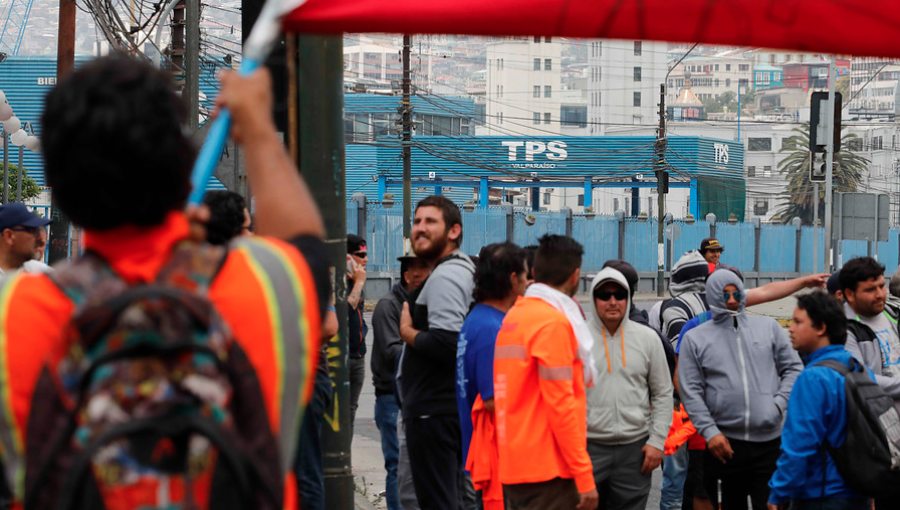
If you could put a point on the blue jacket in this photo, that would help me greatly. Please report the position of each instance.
(817, 412)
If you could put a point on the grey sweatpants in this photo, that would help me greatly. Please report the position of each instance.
(617, 473)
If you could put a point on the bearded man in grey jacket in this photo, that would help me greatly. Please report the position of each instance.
(629, 408)
(735, 374)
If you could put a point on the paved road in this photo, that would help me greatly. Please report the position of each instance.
(368, 463)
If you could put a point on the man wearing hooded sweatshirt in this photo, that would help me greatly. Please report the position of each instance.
(735, 375)
(629, 408)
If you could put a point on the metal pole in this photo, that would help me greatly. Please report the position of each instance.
(661, 197)
(815, 227)
(829, 163)
(20, 174)
(406, 118)
(321, 140)
(5, 167)
(192, 64)
(58, 241)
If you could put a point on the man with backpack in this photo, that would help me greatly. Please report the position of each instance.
(156, 370)
(817, 418)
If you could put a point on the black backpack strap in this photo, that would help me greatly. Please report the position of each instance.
(862, 332)
(837, 366)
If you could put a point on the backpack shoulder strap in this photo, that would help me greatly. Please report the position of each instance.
(834, 365)
(862, 332)
(87, 280)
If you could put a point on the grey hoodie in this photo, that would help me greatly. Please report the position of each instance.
(632, 397)
(735, 372)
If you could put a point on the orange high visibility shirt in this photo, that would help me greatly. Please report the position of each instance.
(539, 398)
(264, 291)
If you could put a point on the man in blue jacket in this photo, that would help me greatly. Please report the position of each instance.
(816, 413)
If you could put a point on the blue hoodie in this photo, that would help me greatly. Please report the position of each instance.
(735, 372)
(817, 412)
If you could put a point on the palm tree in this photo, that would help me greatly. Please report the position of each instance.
(847, 175)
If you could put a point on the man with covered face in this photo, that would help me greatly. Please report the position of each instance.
(735, 374)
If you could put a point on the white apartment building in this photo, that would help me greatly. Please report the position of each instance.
(873, 85)
(524, 87)
(879, 143)
(383, 62)
(623, 82)
(712, 75)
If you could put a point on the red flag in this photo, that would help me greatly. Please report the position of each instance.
(857, 27)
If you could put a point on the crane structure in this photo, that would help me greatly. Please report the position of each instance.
(13, 28)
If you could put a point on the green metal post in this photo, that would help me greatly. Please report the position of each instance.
(321, 161)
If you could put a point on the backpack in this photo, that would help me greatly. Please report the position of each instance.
(869, 458)
(151, 403)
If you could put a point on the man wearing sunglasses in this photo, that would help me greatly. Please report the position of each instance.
(735, 374)
(20, 231)
(357, 256)
(630, 406)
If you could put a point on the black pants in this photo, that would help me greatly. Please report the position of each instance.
(435, 457)
(556, 494)
(746, 474)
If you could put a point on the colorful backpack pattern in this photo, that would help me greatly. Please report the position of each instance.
(153, 405)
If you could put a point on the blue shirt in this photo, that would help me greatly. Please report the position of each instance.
(475, 364)
(817, 412)
(691, 324)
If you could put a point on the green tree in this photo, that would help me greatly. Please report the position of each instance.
(30, 189)
(842, 85)
(847, 175)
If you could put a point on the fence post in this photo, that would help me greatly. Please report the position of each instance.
(508, 209)
(711, 219)
(797, 244)
(360, 199)
(620, 219)
(567, 213)
(757, 237)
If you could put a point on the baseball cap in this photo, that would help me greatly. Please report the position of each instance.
(627, 271)
(710, 243)
(355, 243)
(834, 282)
(17, 214)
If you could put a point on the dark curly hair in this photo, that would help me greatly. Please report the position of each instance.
(114, 150)
(822, 308)
(226, 216)
(495, 263)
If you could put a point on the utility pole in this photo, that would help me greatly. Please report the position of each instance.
(178, 50)
(829, 164)
(191, 91)
(65, 64)
(321, 140)
(20, 173)
(406, 119)
(815, 227)
(662, 187)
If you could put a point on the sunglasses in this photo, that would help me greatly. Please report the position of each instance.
(360, 254)
(602, 295)
(736, 295)
(31, 230)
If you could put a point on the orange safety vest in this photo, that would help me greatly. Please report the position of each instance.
(539, 398)
(34, 313)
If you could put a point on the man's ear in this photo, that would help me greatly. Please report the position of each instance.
(454, 233)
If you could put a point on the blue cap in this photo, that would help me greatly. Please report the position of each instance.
(833, 284)
(16, 214)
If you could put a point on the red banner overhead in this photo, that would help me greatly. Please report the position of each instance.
(856, 27)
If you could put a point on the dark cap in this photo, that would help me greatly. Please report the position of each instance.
(16, 214)
(627, 271)
(355, 243)
(834, 282)
(710, 243)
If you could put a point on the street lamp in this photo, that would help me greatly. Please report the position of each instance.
(13, 132)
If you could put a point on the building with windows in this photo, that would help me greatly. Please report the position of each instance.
(623, 82)
(524, 85)
(766, 77)
(873, 87)
(712, 75)
(383, 62)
